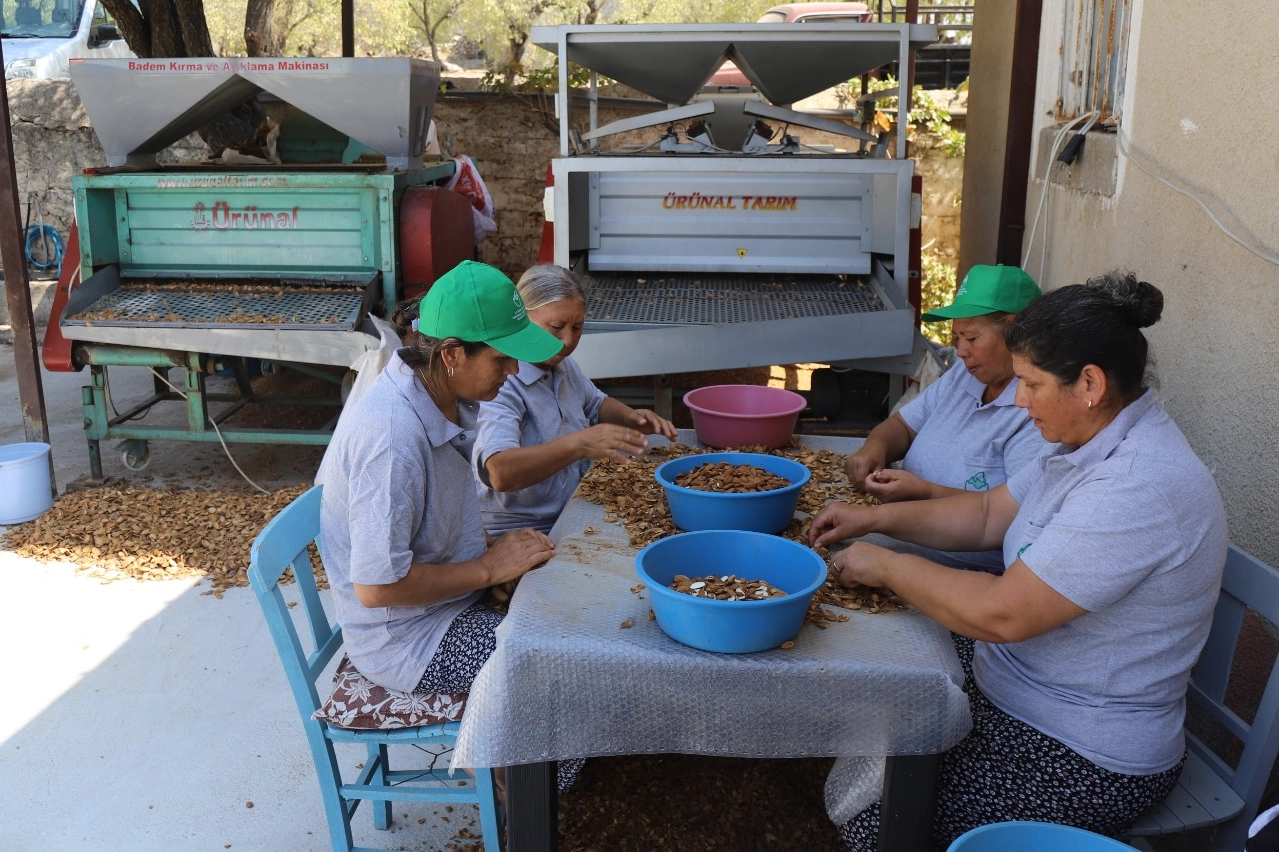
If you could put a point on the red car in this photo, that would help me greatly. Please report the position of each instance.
(826, 13)
(797, 13)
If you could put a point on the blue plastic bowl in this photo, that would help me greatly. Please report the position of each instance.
(731, 627)
(1039, 836)
(762, 511)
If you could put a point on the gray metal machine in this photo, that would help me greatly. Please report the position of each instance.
(719, 242)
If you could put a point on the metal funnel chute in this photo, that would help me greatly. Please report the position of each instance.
(140, 106)
(785, 62)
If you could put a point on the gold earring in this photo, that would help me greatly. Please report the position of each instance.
(451, 376)
(1089, 401)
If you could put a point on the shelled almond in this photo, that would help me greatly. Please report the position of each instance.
(726, 588)
(726, 478)
(155, 534)
(632, 497)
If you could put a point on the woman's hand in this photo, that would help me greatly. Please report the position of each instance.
(516, 552)
(650, 423)
(862, 564)
(839, 521)
(607, 441)
(866, 462)
(892, 486)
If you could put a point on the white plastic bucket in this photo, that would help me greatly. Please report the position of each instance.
(25, 489)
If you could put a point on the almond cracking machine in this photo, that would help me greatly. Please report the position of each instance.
(213, 268)
(709, 239)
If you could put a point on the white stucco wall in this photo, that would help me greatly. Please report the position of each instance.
(1200, 112)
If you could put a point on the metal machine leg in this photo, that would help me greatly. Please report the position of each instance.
(909, 799)
(197, 409)
(532, 808)
(93, 403)
(663, 397)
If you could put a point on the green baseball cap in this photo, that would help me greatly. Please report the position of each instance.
(987, 289)
(476, 303)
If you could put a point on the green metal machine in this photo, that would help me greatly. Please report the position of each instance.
(208, 268)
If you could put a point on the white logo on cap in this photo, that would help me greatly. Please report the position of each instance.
(963, 285)
(520, 313)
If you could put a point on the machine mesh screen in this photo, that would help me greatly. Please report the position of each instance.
(283, 305)
(716, 298)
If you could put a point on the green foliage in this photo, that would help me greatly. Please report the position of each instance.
(314, 28)
(935, 120)
(926, 115)
(533, 79)
(937, 289)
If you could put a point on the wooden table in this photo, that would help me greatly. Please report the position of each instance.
(571, 678)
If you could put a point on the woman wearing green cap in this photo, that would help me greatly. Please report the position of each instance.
(964, 432)
(1114, 544)
(406, 554)
(536, 440)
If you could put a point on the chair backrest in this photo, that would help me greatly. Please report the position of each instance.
(283, 544)
(1247, 583)
(1037, 836)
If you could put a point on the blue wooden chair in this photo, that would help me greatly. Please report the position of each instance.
(283, 544)
(1211, 791)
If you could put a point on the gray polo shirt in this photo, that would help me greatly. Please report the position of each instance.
(398, 491)
(1131, 528)
(961, 442)
(533, 407)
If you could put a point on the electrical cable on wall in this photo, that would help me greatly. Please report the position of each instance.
(1091, 117)
(1260, 251)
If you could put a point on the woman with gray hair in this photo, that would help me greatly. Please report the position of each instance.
(1114, 547)
(537, 438)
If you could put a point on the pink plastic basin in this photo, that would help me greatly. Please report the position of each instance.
(744, 415)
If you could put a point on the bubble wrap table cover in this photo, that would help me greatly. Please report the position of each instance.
(568, 679)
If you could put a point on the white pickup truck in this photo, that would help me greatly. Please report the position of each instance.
(41, 38)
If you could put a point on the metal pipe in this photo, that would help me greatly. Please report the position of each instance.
(108, 355)
(907, 95)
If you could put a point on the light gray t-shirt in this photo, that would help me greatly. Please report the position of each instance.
(533, 407)
(398, 491)
(961, 442)
(1130, 527)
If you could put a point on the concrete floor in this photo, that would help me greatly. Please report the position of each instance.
(148, 716)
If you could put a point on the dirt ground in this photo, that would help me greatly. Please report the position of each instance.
(668, 802)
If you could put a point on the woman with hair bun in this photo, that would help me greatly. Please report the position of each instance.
(1113, 546)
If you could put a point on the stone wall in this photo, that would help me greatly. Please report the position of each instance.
(511, 140)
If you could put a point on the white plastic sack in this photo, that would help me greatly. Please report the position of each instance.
(935, 362)
(466, 181)
(1263, 834)
(854, 784)
(432, 148)
(368, 366)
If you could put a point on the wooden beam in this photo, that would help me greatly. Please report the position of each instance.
(26, 353)
(1021, 121)
(348, 27)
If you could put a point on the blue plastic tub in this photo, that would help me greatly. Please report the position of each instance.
(762, 511)
(731, 627)
(1037, 836)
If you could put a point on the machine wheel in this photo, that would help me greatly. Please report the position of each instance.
(135, 454)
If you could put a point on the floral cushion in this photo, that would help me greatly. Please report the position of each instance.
(359, 703)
